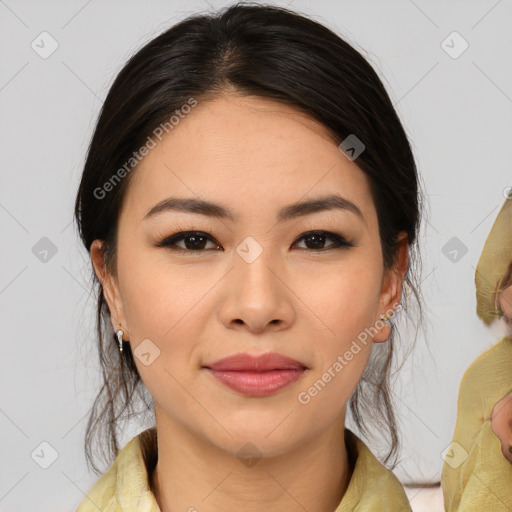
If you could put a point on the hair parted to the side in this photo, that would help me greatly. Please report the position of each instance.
(273, 53)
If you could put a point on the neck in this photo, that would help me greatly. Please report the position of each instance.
(193, 475)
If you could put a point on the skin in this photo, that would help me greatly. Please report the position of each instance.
(501, 424)
(254, 156)
(501, 417)
(505, 300)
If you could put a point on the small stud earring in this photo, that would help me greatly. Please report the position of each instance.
(387, 319)
(119, 334)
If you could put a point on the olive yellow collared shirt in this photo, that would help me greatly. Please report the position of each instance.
(476, 476)
(125, 486)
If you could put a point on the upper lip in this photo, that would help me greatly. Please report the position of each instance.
(263, 362)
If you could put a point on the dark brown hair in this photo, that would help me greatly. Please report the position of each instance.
(268, 52)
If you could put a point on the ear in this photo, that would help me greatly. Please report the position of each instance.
(110, 287)
(391, 291)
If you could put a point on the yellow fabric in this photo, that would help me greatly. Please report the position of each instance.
(484, 480)
(493, 263)
(124, 487)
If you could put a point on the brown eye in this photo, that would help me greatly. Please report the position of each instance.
(315, 240)
(193, 241)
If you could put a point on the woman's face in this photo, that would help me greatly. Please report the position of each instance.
(254, 284)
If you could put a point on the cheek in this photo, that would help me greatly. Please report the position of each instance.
(160, 297)
(345, 301)
(161, 307)
(345, 307)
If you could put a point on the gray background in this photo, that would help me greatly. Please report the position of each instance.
(456, 111)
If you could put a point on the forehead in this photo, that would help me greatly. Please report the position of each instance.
(248, 153)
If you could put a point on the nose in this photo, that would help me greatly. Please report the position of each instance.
(258, 297)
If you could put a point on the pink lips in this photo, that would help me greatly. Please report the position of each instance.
(257, 376)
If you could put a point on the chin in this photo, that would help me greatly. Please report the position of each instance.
(256, 442)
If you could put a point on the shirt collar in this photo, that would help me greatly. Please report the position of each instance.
(372, 487)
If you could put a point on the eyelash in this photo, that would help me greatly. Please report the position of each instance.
(170, 241)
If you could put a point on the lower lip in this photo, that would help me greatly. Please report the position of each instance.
(257, 383)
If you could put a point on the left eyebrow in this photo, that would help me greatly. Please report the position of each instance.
(330, 202)
(292, 211)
